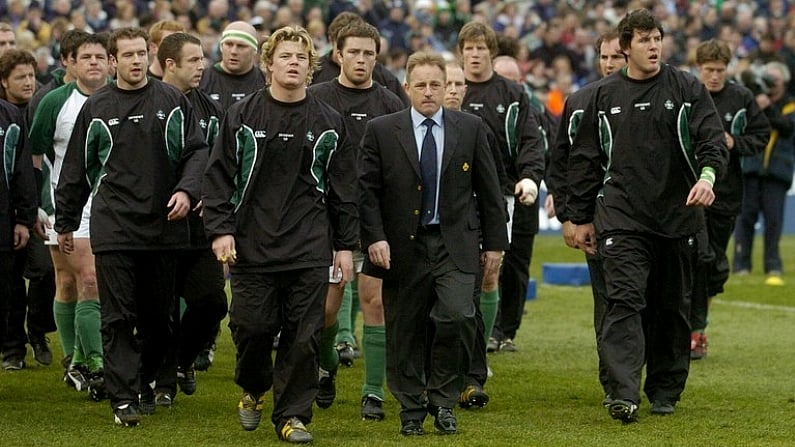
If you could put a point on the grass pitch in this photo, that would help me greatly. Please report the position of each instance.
(547, 394)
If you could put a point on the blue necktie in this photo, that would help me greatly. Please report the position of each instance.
(428, 170)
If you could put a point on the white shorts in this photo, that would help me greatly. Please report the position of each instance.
(82, 233)
(510, 201)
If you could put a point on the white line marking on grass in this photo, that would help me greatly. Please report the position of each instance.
(749, 305)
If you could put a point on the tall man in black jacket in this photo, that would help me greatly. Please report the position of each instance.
(648, 150)
(137, 148)
(747, 131)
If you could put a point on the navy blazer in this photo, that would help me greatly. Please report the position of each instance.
(470, 199)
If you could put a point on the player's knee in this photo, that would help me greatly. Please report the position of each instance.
(65, 284)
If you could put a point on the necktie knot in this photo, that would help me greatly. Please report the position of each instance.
(428, 123)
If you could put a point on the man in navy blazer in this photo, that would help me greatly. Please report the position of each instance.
(431, 216)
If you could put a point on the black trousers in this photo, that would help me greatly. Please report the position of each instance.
(430, 330)
(515, 271)
(649, 284)
(599, 290)
(32, 303)
(200, 282)
(767, 196)
(711, 275)
(6, 288)
(478, 367)
(136, 292)
(264, 304)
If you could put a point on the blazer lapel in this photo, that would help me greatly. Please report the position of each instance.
(451, 134)
(404, 132)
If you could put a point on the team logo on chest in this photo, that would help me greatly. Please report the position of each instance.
(215, 96)
(642, 106)
(500, 108)
(285, 136)
(2, 132)
(358, 116)
(161, 115)
(310, 136)
(203, 123)
(260, 134)
(475, 106)
(727, 117)
(669, 104)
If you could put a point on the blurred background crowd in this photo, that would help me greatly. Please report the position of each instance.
(552, 39)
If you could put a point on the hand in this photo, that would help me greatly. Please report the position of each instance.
(66, 243)
(491, 261)
(585, 238)
(763, 101)
(179, 204)
(21, 236)
(42, 224)
(379, 254)
(701, 194)
(343, 261)
(527, 191)
(729, 140)
(549, 205)
(569, 233)
(224, 249)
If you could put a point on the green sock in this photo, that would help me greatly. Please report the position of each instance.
(329, 359)
(88, 322)
(374, 344)
(64, 314)
(489, 302)
(78, 358)
(354, 310)
(344, 333)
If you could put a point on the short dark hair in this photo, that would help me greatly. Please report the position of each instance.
(171, 47)
(9, 60)
(13, 57)
(342, 20)
(125, 34)
(713, 51)
(98, 39)
(607, 36)
(359, 29)
(70, 41)
(639, 19)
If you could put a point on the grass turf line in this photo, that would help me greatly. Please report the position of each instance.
(547, 394)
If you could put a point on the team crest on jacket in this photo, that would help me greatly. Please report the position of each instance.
(2, 132)
(203, 123)
(727, 117)
(669, 104)
(310, 136)
(260, 134)
(161, 115)
(500, 108)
